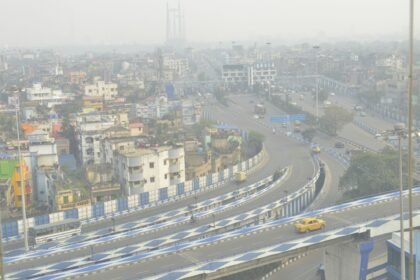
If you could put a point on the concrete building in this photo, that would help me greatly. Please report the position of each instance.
(143, 170)
(102, 183)
(154, 108)
(44, 165)
(178, 66)
(249, 74)
(77, 77)
(90, 131)
(47, 96)
(191, 112)
(107, 91)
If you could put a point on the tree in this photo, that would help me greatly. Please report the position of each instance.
(309, 134)
(371, 173)
(334, 119)
(198, 128)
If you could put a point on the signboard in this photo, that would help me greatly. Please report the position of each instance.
(287, 118)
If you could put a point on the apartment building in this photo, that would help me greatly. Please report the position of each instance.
(46, 96)
(107, 91)
(144, 170)
(44, 166)
(255, 73)
(89, 128)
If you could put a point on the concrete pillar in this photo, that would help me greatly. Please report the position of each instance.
(347, 261)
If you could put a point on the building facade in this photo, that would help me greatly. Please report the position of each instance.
(107, 91)
(144, 170)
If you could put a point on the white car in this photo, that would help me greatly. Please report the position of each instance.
(332, 94)
(256, 117)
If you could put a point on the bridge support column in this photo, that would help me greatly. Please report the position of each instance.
(344, 261)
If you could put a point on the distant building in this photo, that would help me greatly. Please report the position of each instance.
(44, 163)
(46, 96)
(102, 185)
(90, 130)
(77, 77)
(178, 66)
(249, 74)
(107, 91)
(143, 170)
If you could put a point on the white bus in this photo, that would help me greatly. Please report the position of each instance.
(54, 231)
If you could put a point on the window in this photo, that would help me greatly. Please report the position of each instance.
(165, 162)
(166, 176)
(152, 165)
(152, 179)
(65, 199)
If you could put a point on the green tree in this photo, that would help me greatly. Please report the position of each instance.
(308, 134)
(334, 119)
(371, 173)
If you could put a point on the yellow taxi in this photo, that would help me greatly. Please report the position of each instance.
(309, 224)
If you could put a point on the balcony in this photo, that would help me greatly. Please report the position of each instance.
(135, 176)
(173, 168)
(134, 161)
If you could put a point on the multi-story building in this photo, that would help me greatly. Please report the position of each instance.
(89, 133)
(107, 91)
(44, 165)
(77, 77)
(160, 107)
(178, 66)
(191, 112)
(154, 108)
(46, 96)
(249, 74)
(143, 170)
(17, 181)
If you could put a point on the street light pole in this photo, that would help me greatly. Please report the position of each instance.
(317, 89)
(410, 143)
(22, 188)
(399, 129)
(1, 252)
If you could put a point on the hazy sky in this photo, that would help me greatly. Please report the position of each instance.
(87, 22)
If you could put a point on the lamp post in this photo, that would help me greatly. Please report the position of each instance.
(399, 130)
(410, 142)
(1, 252)
(22, 188)
(316, 48)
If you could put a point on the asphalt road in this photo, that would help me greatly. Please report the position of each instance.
(186, 258)
(350, 131)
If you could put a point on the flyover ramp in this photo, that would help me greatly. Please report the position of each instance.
(372, 215)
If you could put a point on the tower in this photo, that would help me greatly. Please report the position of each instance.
(175, 26)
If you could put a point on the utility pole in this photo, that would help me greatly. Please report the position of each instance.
(22, 188)
(317, 86)
(399, 129)
(1, 252)
(410, 143)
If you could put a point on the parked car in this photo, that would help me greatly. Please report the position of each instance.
(363, 114)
